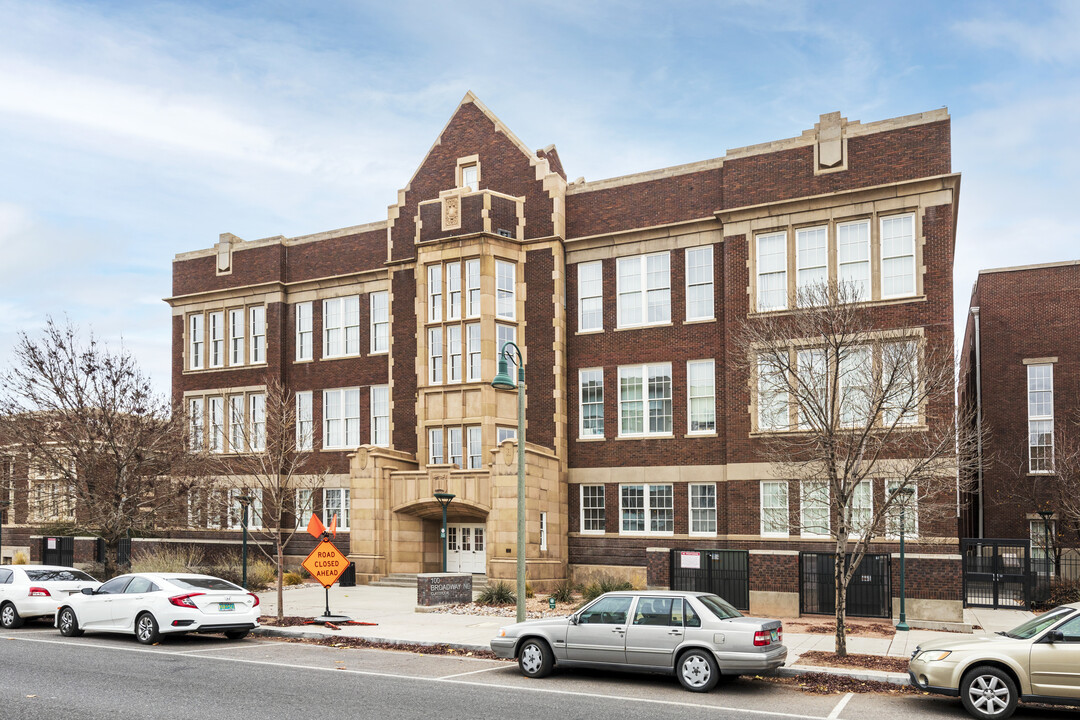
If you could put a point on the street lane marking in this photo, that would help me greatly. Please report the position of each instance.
(835, 714)
(396, 676)
(473, 672)
(216, 648)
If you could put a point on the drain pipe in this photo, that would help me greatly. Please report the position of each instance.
(979, 419)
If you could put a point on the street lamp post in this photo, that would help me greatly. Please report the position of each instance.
(245, 502)
(503, 381)
(444, 499)
(906, 494)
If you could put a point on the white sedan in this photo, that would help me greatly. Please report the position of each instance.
(149, 605)
(33, 591)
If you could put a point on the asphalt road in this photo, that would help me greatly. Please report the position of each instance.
(43, 675)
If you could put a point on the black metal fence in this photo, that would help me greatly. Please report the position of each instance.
(996, 573)
(869, 593)
(1055, 577)
(58, 551)
(722, 572)
(123, 552)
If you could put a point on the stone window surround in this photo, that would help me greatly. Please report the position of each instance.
(225, 310)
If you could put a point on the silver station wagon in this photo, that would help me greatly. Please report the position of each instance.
(697, 636)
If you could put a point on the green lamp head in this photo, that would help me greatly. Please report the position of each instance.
(502, 380)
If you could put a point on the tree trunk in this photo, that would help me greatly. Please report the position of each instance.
(112, 552)
(841, 607)
(280, 576)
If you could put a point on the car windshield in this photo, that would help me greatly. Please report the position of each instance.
(204, 583)
(1037, 624)
(719, 607)
(58, 576)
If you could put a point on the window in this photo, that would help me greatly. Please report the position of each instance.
(897, 256)
(590, 297)
(195, 342)
(703, 509)
(453, 352)
(641, 384)
(911, 512)
(699, 283)
(336, 502)
(853, 260)
(236, 423)
(815, 508)
(472, 288)
(772, 400)
(217, 339)
(856, 376)
(469, 176)
(236, 337)
(503, 335)
(505, 433)
(591, 386)
(257, 418)
(341, 418)
(647, 508)
(258, 334)
(1040, 418)
(303, 331)
(455, 446)
(900, 383)
(772, 271)
(434, 281)
(774, 508)
(701, 387)
(543, 532)
(435, 446)
(380, 322)
(305, 506)
(196, 410)
(644, 290)
(217, 425)
(236, 509)
(813, 375)
(380, 415)
(812, 256)
(1042, 546)
(607, 611)
(305, 425)
(475, 457)
(453, 291)
(435, 351)
(592, 509)
(505, 282)
(341, 326)
(861, 511)
(473, 348)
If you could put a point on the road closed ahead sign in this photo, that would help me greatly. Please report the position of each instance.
(326, 563)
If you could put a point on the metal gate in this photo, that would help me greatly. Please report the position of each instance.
(996, 573)
(123, 552)
(869, 594)
(720, 572)
(58, 551)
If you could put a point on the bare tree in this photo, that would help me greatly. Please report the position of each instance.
(270, 462)
(840, 403)
(86, 418)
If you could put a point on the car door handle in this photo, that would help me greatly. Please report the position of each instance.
(674, 632)
(618, 630)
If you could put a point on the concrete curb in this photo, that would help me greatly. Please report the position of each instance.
(875, 675)
(313, 634)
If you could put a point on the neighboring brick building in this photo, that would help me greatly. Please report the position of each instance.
(623, 293)
(1027, 324)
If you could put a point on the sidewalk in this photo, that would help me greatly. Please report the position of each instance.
(394, 611)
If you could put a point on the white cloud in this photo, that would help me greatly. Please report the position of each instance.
(1052, 38)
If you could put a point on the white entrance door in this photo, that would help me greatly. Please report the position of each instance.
(465, 548)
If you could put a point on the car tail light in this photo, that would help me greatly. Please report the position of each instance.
(762, 638)
(780, 633)
(255, 598)
(38, 592)
(185, 600)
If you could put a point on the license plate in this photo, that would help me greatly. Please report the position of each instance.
(223, 607)
(773, 636)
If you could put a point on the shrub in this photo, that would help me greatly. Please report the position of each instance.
(293, 578)
(20, 558)
(261, 575)
(1059, 592)
(501, 593)
(529, 590)
(604, 584)
(563, 591)
(168, 557)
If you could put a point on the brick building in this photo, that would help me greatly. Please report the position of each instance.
(623, 294)
(1022, 345)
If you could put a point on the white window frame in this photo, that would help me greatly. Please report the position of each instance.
(644, 290)
(505, 297)
(505, 433)
(470, 176)
(648, 508)
(196, 423)
(305, 421)
(216, 321)
(805, 508)
(216, 415)
(379, 400)
(453, 353)
(303, 506)
(236, 336)
(692, 509)
(845, 266)
(305, 336)
(812, 361)
(434, 288)
(863, 491)
(602, 508)
(907, 388)
(455, 446)
(237, 428)
(341, 315)
(474, 448)
(502, 329)
(473, 350)
(543, 532)
(196, 340)
(1042, 548)
(802, 233)
(453, 291)
(435, 356)
(708, 286)
(435, 441)
(472, 288)
(646, 373)
(785, 509)
(257, 421)
(590, 289)
(257, 330)
(761, 306)
(1037, 418)
(341, 506)
(852, 413)
(913, 255)
(690, 397)
(335, 401)
(782, 398)
(582, 373)
(379, 317)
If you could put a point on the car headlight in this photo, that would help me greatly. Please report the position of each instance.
(935, 655)
(502, 632)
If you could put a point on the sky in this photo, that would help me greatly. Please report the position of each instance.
(133, 131)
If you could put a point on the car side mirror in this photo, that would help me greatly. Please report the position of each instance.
(1055, 636)
(574, 619)
(88, 591)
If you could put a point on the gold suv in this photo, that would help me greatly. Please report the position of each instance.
(1038, 661)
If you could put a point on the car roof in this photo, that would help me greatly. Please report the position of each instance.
(659, 593)
(38, 567)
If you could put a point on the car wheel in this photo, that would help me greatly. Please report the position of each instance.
(697, 671)
(9, 617)
(535, 658)
(146, 629)
(988, 693)
(69, 624)
(236, 634)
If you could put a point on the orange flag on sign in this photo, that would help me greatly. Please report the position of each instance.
(315, 526)
(333, 526)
